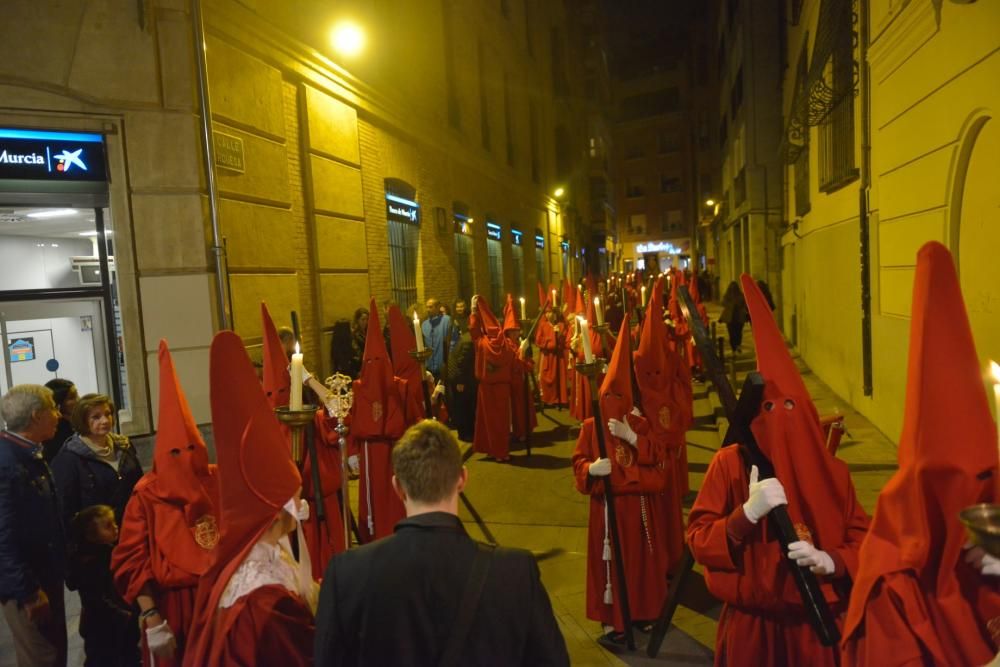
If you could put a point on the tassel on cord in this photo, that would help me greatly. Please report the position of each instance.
(368, 493)
(608, 598)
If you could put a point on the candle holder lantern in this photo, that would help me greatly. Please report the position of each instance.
(339, 400)
(297, 421)
(983, 525)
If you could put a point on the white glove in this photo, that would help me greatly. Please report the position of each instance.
(982, 561)
(636, 411)
(524, 346)
(306, 375)
(764, 496)
(600, 468)
(806, 555)
(428, 376)
(353, 463)
(438, 390)
(161, 640)
(622, 430)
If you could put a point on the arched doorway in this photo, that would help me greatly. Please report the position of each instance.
(975, 218)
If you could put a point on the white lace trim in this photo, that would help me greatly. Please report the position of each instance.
(266, 564)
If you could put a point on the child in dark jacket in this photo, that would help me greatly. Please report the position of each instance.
(108, 625)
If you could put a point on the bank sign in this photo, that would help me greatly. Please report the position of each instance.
(401, 209)
(33, 155)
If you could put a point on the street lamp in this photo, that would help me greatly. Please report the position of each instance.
(559, 192)
(710, 203)
(348, 38)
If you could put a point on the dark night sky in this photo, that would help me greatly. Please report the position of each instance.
(645, 33)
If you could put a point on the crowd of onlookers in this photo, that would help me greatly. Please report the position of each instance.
(65, 478)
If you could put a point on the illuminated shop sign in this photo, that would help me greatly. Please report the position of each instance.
(516, 236)
(401, 210)
(60, 157)
(565, 245)
(539, 241)
(493, 231)
(658, 246)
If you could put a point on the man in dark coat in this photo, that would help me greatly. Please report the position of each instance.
(396, 601)
(32, 546)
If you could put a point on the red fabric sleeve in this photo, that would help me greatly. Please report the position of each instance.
(270, 626)
(846, 556)
(708, 523)
(131, 561)
(583, 455)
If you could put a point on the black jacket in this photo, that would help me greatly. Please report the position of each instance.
(84, 480)
(32, 546)
(394, 602)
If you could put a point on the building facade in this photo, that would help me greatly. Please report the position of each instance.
(907, 155)
(423, 168)
(747, 226)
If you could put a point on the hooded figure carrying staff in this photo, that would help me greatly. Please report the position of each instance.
(764, 621)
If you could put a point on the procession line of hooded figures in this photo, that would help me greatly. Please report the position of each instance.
(905, 588)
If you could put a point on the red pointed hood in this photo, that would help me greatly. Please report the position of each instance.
(377, 411)
(180, 457)
(276, 379)
(257, 476)
(580, 307)
(568, 295)
(787, 429)
(543, 297)
(693, 287)
(403, 341)
(650, 357)
(947, 461)
(510, 321)
(616, 390)
(485, 319)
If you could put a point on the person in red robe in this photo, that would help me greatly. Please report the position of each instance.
(404, 366)
(325, 536)
(522, 405)
(256, 604)
(635, 468)
(663, 406)
(494, 358)
(679, 340)
(378, 420)
(550, 337)
(169, 528)
(763, 621)
(921, 596)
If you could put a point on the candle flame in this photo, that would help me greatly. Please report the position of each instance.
(597, 301)
(297, 351)
(995, 371)
(522, 299)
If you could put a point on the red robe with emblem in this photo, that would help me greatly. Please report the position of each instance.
(327, 538)
(494, 358)
(378, 419)
(269, 625)
(552, 380)
(915, 599)
(170, 525)
(638, 478)
(664, 406)
(763, 621)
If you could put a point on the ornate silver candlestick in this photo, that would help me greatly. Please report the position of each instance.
(339, 399)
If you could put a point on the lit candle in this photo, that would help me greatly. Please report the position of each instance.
(643, 296)
(553, 304)
(995, 372)
(523, 315)
(588, 352)
(599, 311)
(295, 399)
(417, 333)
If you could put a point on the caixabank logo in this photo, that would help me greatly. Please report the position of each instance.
(51, 156)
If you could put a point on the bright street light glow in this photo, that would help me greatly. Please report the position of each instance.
(52, 213)
(348, 38)
(560, 192)
(709, 202)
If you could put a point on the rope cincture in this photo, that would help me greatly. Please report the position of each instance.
(368, 492)
(608, 597)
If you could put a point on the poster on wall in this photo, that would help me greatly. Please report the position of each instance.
(21, 349)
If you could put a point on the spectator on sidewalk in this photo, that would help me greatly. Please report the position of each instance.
(435, 328)
(399, 601)
(734, 315)
(32, 544)
(65, 395)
